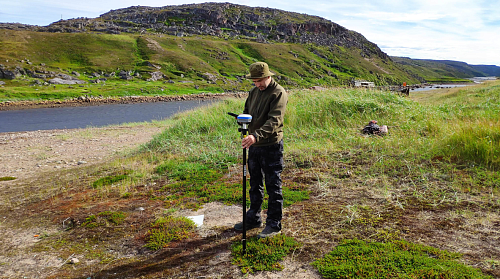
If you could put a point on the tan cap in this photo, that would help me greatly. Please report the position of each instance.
(259, 70)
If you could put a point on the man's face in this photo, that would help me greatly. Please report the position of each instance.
(262, 83)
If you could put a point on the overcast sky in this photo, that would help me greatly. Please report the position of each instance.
(460, 30)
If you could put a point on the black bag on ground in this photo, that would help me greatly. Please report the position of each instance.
(371, 128)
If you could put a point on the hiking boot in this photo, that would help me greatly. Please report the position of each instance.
(239, 226)
(269, 231)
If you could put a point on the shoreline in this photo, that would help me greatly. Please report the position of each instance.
(95, 101)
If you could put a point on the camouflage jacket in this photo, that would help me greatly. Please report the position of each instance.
(267, 109)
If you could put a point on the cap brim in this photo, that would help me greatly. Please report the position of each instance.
(251, 77)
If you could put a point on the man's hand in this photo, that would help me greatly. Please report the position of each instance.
(248, 141)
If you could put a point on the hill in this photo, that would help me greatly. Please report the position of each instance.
(211, 43)
(445, 70)
(490, 70)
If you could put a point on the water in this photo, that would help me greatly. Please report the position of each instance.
(94, 116)
(476, 80)
(438, 86)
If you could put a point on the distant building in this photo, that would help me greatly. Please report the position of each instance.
(363, 83)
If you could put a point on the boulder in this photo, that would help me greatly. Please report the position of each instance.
(209, 77)
(156, 76)
(9, 74)
(35, 75)
(65, 81)
(317, 88)
(125, 75)
(66, 77)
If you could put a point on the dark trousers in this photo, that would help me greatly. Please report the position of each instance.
(266, 164)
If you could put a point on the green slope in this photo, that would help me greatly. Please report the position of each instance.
(444, 70)
(192, 57)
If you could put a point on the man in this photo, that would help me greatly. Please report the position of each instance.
(266, 103)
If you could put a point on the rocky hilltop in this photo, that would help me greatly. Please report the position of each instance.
(218, 19)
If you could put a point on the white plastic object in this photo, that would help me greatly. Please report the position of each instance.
(198, 219)
(244, 118)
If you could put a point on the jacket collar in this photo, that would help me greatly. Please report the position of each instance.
(272, 85)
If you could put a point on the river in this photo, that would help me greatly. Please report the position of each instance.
(438, 86)
(475, 80)
(103, 115)
(91, 116)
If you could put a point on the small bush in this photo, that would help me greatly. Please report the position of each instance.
(109, 180)
(113, 217)
(104, 219)
(91, 222)
(168, 229)
(263, 254)
(7, 178)
(399, 259)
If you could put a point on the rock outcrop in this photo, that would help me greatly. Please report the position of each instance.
(10, 73)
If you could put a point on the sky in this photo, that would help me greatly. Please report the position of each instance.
(459, 30)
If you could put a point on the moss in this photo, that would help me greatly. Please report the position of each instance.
(168, 229)
(398, 259)
(263, 254)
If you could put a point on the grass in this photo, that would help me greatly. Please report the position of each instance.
(422, 197)
(192, 184)
(325, 123)
(476, 143)
(109, 180)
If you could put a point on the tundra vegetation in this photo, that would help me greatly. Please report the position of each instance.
(419, 202)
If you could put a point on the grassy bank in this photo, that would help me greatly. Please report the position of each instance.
(426, 193)
(20, 90)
